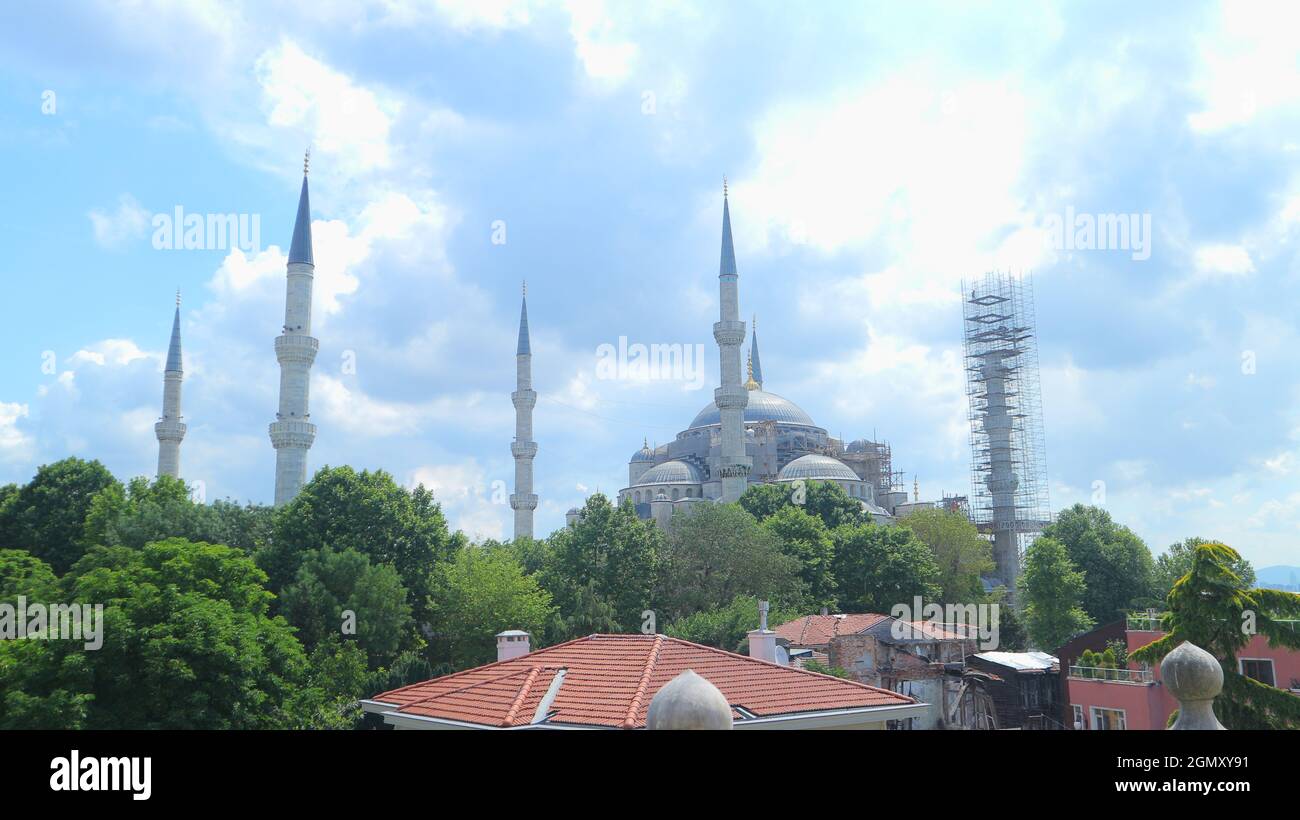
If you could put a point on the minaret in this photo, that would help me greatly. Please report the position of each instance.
(523, 501)
(755, 381)
(292, 433)
(731, 397)
(170, 429)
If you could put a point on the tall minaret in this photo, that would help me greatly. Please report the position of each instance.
(731, 397)
(170, 429)
(755, 381)
(292, 433)
(523, 501)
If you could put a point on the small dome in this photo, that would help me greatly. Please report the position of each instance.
(813, 467)
(670, 472)
(643, 455)
(857, 446)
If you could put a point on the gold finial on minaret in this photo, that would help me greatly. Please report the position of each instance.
(525, 287)
(306, 161)
(724, 186)
(178, 297)
(750, 384)
(916, 488)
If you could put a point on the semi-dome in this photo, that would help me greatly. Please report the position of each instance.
(763, 406)
(814, 467)
(670, 472)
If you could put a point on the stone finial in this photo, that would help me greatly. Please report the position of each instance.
(1194, 678)
(688, 701)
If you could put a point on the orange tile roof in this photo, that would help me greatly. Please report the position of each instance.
(817, 630)
(609, 681)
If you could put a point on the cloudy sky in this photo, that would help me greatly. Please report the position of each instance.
(878, 154)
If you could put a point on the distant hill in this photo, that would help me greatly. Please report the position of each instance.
(1279, 577)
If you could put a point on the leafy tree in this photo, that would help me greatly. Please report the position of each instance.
(717, 552)
(1052, 589)
(1116, 563)
(145, 511)
(1012, 636)
(822, 499)
(610, 553)
(478, 595)
(1213, 608)
(330, 583)
(822, 669)
(341, 509)
(1177, 562)
(960, 552)
(877, 567)
(46, 515)
(187, 641)
(587, 614)
(806, 539)
(726, 627)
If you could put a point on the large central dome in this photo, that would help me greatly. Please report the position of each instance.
(762, 406)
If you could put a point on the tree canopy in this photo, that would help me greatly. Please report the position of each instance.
(1116, 564)
(1052, 589)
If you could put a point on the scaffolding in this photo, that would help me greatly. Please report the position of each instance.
(1008, 473)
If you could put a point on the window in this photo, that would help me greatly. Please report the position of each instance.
(1261, 669)
(1080, 722)
(1108, 719)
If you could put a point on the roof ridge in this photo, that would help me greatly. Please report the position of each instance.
(451, 675)
(521, 696)
(644, 683)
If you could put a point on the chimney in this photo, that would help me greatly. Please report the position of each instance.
(762, 641)
(825, 611)
(513, 643)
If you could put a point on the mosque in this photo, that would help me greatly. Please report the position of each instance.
(745, 436)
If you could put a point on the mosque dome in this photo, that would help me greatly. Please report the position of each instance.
(763, 406)
(643, 455)
(857, 446)
(814, 467)
(670, 472)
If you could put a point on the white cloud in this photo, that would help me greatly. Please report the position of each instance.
(1223, 260)
(114, 229)
(471, 502)
(15, 445)
(1249, 64)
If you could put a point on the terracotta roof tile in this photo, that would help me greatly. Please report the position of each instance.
(609, 681)
(817, 630)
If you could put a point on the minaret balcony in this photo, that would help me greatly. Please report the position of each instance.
(729, 334)
(523, 501)
(524, 399)
(292, 434)
(168, 430)
(296, 348)
(523, 449)
(731, 397)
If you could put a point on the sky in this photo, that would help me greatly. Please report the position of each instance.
(878, 154)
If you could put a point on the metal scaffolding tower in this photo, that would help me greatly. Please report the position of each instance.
(1008, 473)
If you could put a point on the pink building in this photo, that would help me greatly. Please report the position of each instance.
(1135, 698)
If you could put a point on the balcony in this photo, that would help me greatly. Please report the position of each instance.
(1116, 675)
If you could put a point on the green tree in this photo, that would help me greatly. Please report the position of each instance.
(822, 669)
(330, 583)
(877, 567)
(1212, 607)
(1052, 589)
(960, 552)
(341, 509)
(46, 516)
(609, 552)
(806, 539)
(727, 627)
(717, 552)
(764, 500)
(478, 595)
(822, 499)
(187, 641)
(1177, 562)
(1116, 563)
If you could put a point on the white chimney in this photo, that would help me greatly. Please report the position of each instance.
(762, 641)
(513, 643)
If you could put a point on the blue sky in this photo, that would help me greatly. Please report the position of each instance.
(878, 154)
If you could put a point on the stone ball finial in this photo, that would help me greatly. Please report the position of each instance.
(688, 701)
(1195, 678)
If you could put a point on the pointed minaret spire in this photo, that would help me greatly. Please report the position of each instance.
(292, 434)
(170, 430)
(756, 366)
(523, 501)
(731, 397)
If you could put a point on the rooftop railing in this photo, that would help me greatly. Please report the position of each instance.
(1120, 675)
